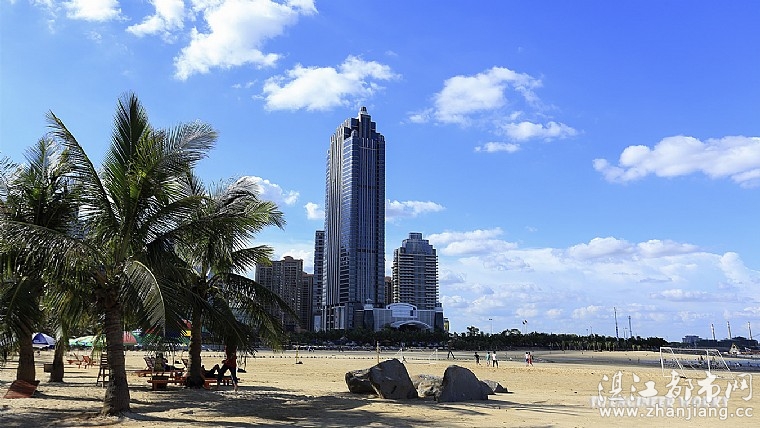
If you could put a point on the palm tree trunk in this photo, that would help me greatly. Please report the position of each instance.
(117, 394)
(194, 378)
(56, 375)
(25, 370)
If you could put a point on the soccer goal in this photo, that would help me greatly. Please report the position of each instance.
(433, 357)
(693, 363)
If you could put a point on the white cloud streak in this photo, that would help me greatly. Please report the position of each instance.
(237, 32)
(324, 88)
(169, 17)
(395, 210)
(733, 157)
(272, 192)
(92, 10)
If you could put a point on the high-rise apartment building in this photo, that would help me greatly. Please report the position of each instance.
(354, 262)
(415, 273)
(284, 278)
(319, 272)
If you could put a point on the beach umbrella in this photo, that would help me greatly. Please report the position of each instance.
(84, 341)
(42, 339)
(129, 338)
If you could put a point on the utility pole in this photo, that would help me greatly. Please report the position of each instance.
(712, 328)
(630, 330)
(749, 326)
(617, 336)
(728, 323)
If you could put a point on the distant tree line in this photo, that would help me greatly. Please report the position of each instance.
(473, 339)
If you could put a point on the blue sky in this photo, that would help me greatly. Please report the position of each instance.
(565, 158)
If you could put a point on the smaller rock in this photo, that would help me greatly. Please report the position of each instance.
(495, 387)
(427, 385)
(358, 382)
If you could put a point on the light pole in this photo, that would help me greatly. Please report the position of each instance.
(491, 319)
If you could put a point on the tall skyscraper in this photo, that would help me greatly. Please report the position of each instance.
(415, 273)
(319, 271)
(354, 261)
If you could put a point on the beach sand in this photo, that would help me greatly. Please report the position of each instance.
(556, 391)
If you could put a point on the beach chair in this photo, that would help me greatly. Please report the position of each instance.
(87, 361)
(149, 362)
(76, 360)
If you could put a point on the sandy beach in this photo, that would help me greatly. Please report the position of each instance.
(557, 391)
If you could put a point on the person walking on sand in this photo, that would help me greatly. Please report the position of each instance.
(488, 359)
(229, 363)
(477, 358)
(494, 359)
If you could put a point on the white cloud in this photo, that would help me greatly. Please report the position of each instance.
(600, 248)
(272, 192)
(314, 211)
(658, 248)
(528, 130)
(587, 312)
(462, 96)
(169, 17)
(92, 10)
(323, 88)
(495, 99)
(654, 281)
(237, 31)
(409, 209)
(493, 147)
(469, 243)
(677, 294)
(734, 157)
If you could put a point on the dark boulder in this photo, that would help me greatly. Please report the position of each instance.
(358, 382)
(461, 384)
(391, 380)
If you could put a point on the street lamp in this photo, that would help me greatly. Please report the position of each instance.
(491, 319)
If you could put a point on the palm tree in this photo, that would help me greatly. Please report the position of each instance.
(37, 194)
(131, 209)
(216, 256)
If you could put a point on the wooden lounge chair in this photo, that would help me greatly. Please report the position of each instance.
(21, 389)
(149, 362)
(76, 360)
(87, 361)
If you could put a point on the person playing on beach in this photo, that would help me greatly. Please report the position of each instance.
(494, 360)
(488, 359)
(161, 364)
(209, 373)
(450, 354)
(229, 363)
(477, 358)
(528, 359)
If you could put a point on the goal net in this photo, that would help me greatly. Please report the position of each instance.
(693, 363)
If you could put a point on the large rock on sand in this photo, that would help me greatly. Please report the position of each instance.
(391, 380)
(388, 379)
(461, 384)
(358, 382)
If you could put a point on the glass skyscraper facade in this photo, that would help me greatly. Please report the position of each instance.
(354, 254)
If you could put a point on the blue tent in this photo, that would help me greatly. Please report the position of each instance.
(42, 340)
